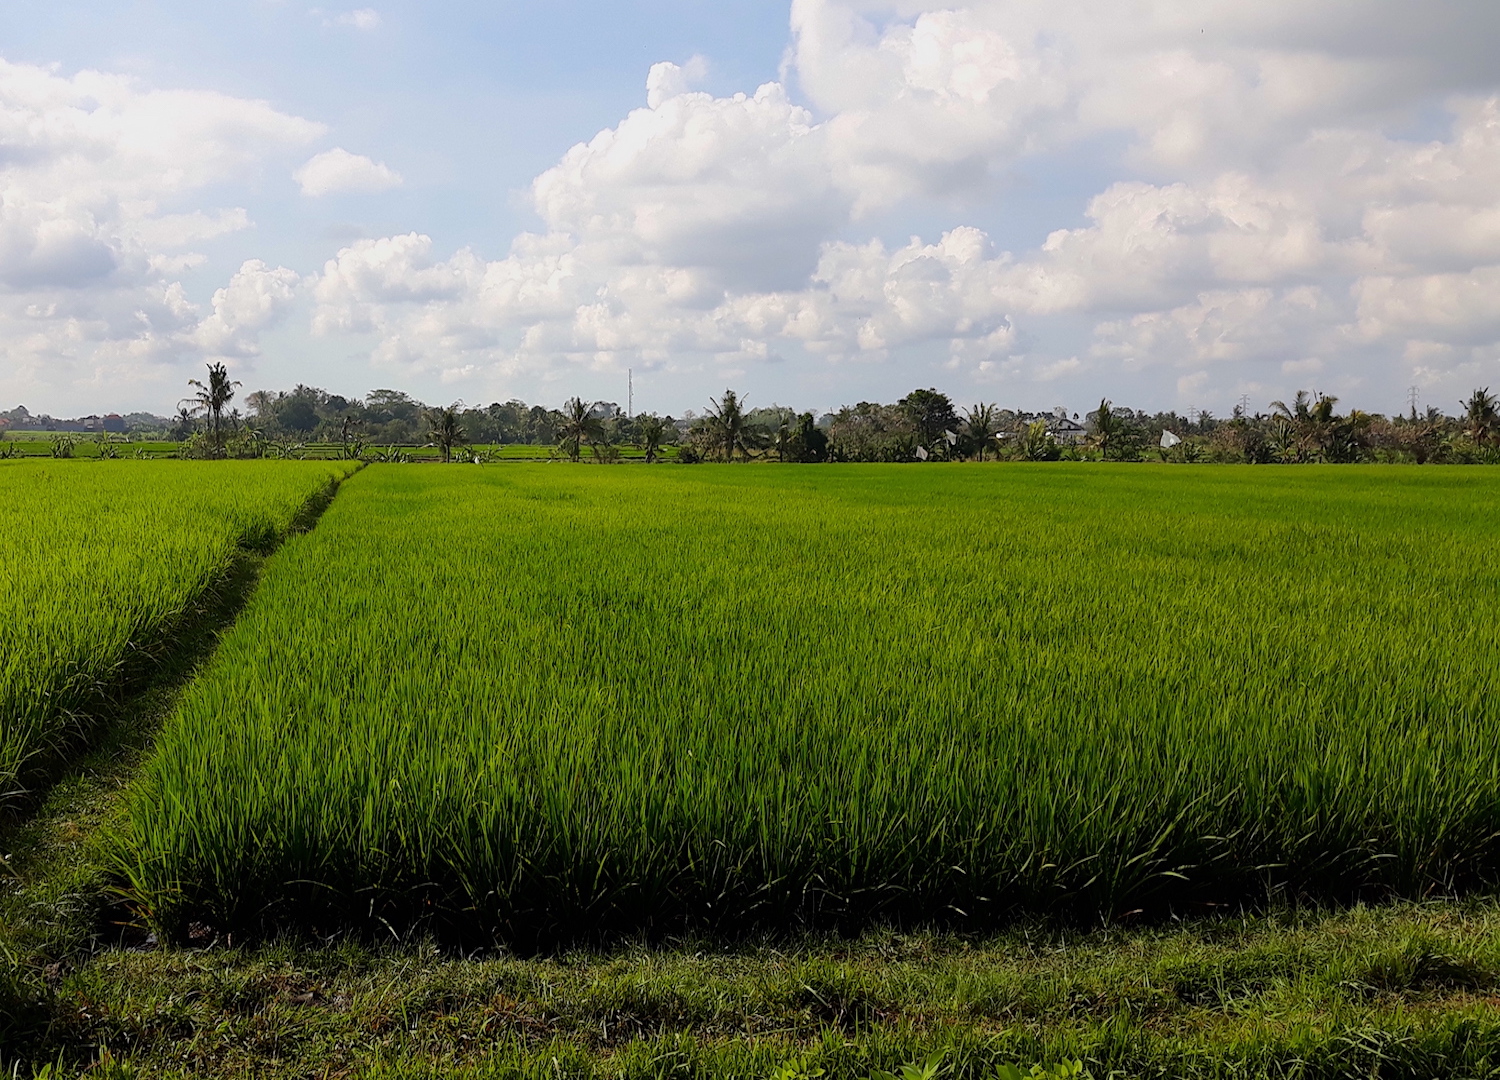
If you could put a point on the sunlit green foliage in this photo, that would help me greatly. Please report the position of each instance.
(96, 561)
(539, 701)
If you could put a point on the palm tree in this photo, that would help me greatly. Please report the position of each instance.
(262, 403)
(650, 431)
(1481, 416)
(445, 430)
(1036, 444)
(1108, 427)
(979, 426)
(1284, 445)
(729, 432)
(184, 426)
(579, 426)
(1321, 413)
(1311, 420)
(1298, 413)
(784, 440)
(212, 397)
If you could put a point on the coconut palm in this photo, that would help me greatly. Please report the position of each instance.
(979, 427)
(1308, 422)
(650, 431)
(211, 399)
(184, 423)
(579, 426)
(1036, 444)
(445, 430)
(1482, 416)
(728, 430)
(1283, 442)
(1321, 413)
(1296, 413)
(1109, 426)
(784, 439)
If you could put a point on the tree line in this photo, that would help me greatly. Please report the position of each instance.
(925, 425)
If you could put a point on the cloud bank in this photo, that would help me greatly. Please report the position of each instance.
(1269, 220)
(1284, 194)
(96, 176)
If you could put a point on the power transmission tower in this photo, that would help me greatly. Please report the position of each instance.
(1244, 404)
(1412, 395)
(630, 393)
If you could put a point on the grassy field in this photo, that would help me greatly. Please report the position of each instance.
(539, 703)
(97, 559)
(81, 445)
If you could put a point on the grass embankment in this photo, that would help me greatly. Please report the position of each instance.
(1407, 991)
(98, 563)
(540, 704)
(1398, 991)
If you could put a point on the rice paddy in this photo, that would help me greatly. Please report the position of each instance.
(97, 559)
(539, 702)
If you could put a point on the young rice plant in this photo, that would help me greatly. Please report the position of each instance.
(96, 561)
(548, 703)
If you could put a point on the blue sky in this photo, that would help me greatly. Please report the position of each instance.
(1033, 203)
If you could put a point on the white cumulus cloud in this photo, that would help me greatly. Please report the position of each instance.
(256, 298)
(1263, 221)
(1276, 191)
(336, 172)
(100, 186)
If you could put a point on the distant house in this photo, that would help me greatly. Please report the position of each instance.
(1066, 431)
(92, 423)
(114, 423)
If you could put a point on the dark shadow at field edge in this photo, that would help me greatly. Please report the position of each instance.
(123, 715)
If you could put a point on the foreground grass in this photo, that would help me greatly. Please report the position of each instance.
(1406, 990)
(541, 704)
(1409, 991)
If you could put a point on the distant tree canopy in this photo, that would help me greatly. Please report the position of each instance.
(925, 425)
(872, 432)
(308, 413)
(932, 414)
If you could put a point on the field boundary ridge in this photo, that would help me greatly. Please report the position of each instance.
(173, 653)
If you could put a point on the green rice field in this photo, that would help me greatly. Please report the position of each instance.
(97, 559)
(535, 702)
(83, 445)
